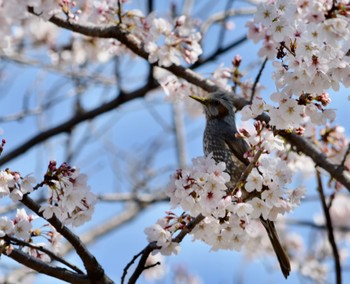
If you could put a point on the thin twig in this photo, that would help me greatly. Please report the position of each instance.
(141, 265)
(131, 262)
(257, 79)
(305, 223)
(201, 61)
(152, 265)
(223, 28)
(330, 230)
(153, 246)
(120, 12)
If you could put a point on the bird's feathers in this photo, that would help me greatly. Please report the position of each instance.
(238, 146)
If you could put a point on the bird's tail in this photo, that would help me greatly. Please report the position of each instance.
(277, 247)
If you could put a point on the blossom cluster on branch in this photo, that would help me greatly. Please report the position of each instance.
(166, 41)
(231, 214)
(70, 200)
(310, 40)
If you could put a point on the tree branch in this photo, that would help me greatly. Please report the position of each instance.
(94, 269)
(310, 150)
(114, 32)
(45, 268)
(52, 255)
(257, 79)
(313, 225)
(330, 229)
(70, 123)
(153, 246)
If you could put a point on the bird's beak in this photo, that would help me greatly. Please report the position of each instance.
(203, 101)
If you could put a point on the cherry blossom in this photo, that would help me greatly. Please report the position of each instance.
(6, 181)
(71, 200)
(309, 46)
(6, 226)
(201, 189)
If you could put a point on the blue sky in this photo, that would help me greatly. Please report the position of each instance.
(128, 129)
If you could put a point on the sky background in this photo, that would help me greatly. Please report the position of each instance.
(128, 129)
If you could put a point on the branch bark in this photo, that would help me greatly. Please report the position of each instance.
(94, 269)
(153, 246)
(69, 124)
(45, 268)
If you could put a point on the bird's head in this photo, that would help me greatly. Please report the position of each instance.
(217, 105)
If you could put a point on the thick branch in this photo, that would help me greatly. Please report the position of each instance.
(69, 124)
(45, 268)
(135, 46)
(93, 268)
(309, 149)
(52, 255)
(134, 206)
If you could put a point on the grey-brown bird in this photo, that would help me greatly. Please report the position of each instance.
(220, 140)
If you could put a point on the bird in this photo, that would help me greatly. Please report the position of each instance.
(221, 140)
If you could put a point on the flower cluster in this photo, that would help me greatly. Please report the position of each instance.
(177, 91)
(163, 231)
(21, 229)
(310, 41)
(230, 217)
(334, 144)
(12, 184)
(71, 200)
(21, 226)
(165, 41)
(180, 40)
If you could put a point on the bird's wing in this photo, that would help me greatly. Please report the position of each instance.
(238, 146)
